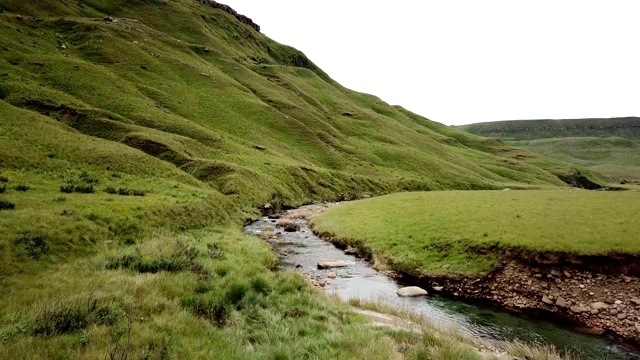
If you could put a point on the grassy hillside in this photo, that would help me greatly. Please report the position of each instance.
(137, 136)
(607, 146)
(624, 127)
(457, 232)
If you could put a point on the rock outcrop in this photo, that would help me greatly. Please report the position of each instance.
(226, 8)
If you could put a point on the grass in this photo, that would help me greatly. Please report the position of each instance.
(460, 232)
(606, 146)
(138, 107)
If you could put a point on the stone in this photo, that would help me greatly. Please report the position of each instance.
(506, 189)
(555, 273)
(561, 302)
(579, 309)
(259, 147)
(635, 301)
(547, 300)
(331, 275)
(411, 291)
(346, 113)
(351, 251)
(438, 288)
(599, 305)
(621, 316)
(330, 264)
(581, 286)
(618, 302)
(610, 300)
(566, 273)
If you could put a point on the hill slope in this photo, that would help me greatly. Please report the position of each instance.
(138, 135)
(607, 146)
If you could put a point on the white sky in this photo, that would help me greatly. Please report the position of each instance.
(459, 62)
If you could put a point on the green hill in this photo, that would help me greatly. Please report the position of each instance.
(606, 146)
(137, 137)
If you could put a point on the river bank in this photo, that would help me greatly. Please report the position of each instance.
(300, 249)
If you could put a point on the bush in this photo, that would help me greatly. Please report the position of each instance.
(138, 193)
(3, 189)
(124, 191)
(7, 205)
(22, 187)
(111, 190)
(34, 244)
(4, 179)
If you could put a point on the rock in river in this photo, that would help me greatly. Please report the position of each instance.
(411, 291)
(329, 264)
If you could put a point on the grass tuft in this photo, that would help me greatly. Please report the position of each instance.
(7, 205)
(35, 245)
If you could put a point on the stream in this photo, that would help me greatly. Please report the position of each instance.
(359, 280)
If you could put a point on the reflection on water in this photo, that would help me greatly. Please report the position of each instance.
(359, 280)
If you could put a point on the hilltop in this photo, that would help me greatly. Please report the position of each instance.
(610, 147)
(138, 136)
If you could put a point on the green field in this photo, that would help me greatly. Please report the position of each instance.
(462, 232)
(132, 151)
(610, 147)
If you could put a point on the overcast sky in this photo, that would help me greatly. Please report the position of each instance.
(459, 62)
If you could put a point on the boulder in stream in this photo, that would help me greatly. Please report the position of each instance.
(411, 291)
(330, 264)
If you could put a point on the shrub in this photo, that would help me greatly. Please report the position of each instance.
(3, 179)
(3, 189)
(7, 205)
(22, 187)
(111, 190)
(124, 191)
(60, 199)
(34, 244)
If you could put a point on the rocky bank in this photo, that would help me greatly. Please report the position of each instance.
(594, 302)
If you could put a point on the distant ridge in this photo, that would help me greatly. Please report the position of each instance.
(623, 127)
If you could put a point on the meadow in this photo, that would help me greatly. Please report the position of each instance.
(136, 139)
(465, 232)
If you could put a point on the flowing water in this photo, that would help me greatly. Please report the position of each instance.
(359, 280)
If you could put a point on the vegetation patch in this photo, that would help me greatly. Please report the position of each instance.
(183, 257)
(35, 245)
(81, 189)
(465, 232)
(22, 187)
(7, 205)
(124, 191)
(66, 318)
